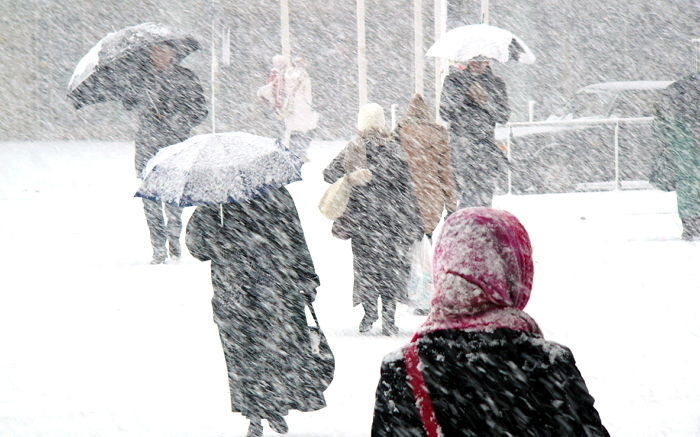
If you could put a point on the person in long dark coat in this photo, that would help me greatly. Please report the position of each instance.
(170, 102)
(381, 218)
(473, 100)
(677, 129)
(262, 274)
(479, 365)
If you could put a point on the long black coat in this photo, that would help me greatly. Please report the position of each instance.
(381, 219)
(260, 270)
(170, 104)
(466, 116)
(477, 161)
(488, 384)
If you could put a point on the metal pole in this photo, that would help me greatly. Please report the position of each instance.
(440, 64)
(509, 145)
(419, 60)
(485, 11)
(284, 29)
(361, 53)
(394, 107)
(213, 77)
(617, 155)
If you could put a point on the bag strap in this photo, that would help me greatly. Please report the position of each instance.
(313, 314)
(420, 391)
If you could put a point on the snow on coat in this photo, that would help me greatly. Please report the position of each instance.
(486, 368)
(381, 217)
(260, 271)
(678, 130)
(170, 104)
(429, 159)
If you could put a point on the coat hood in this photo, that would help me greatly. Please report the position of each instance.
(371, 117)
(418, 109)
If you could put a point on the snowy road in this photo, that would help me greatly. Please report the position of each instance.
(96, 342)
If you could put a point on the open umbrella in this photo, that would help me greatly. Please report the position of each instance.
(117, 62)
(466, 42)
(220, 168)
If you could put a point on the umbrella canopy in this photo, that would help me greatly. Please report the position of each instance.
(118, 61)
(466, 42)
(218, 168)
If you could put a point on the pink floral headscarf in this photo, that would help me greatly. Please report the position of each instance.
(482, 271)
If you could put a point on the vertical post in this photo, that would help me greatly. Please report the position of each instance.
(485, 11)
(440, 64)
(509, 145)
(284, 29)
(214, 67)
(361, 53)
(394, 107)
(418, 54)
(617, 155)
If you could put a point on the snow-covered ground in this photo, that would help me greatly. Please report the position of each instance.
(94, 341)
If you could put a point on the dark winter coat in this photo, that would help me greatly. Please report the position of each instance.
(468, 116)
(499, 383)
(170, 104)
(261, 271)
(477, 161)
(381, 218)
(677, 129)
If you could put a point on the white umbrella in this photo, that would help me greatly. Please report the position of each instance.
(218, 168)
(466, 42)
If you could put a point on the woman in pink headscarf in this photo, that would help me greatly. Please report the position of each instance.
(479, 365)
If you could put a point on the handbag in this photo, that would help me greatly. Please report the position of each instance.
(322, 367)
(335, 200)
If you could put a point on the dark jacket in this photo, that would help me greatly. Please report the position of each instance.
(170, 104)
(677, 129)
(261, 271)
(495, 383)
(468, 117)
(381, 217)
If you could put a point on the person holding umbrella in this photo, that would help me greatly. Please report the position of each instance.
(170, 102)
(262, 273)
(473, 101)
(139, 66)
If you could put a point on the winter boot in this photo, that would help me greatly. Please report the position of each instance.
(255, 429)
(278, 424)
(174, 247)
(389, 329)
(366, 323)
(159, 255)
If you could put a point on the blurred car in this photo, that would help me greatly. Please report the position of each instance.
(574, 149)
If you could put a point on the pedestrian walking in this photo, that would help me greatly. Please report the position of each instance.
(263, 276)
(288, 92)
(170, 102)
(380, 219)
(426, 145)
(479, 365)
(678, 160)
(473, 100)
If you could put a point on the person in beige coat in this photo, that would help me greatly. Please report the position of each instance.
(426, 144)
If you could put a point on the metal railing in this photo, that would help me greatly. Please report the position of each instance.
(588, 122)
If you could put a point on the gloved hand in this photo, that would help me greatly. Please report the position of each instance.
(309, 295)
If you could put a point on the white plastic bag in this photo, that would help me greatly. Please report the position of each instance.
(420, 280)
